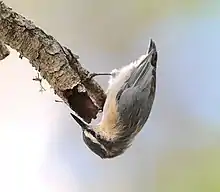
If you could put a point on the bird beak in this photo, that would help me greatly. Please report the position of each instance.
(80, 122)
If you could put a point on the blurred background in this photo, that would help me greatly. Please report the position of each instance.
(41, 148)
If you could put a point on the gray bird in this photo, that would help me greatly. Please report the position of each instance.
(130, 96)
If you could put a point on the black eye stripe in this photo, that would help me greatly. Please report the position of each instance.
(98, 137)
(95, 147)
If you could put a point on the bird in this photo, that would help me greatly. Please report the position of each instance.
(130, 97)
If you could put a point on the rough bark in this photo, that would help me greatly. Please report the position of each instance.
(4, 52)
(57, 64)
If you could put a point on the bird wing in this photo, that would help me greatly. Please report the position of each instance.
(136, 96)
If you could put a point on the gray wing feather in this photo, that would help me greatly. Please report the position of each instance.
(142, 74)
(134, 105)
(136, 96)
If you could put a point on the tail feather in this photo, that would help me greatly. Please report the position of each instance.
(152, 46)
(143, 73)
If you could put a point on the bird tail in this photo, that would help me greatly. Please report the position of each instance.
(146, 68)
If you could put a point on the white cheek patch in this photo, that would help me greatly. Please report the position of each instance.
(89, 135)
(93, 139)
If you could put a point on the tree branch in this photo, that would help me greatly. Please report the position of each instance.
(4, 52)
(57, 64)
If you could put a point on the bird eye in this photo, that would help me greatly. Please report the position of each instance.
(98, 136)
